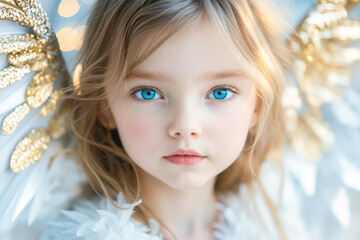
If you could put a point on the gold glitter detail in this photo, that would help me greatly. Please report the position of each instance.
(40, 65)
(60, 123)
(12, 120)
(31, 52)
(348, 31)
(309, 58)
(12, 74)
(20, 60)
(51, 104)
(311, 136)
(324, 66)
(39, 90)
(11, 2)
(29, 149)
(10, 12)
(343, 2)
(38, 19)
(37, 51)
(17, 43)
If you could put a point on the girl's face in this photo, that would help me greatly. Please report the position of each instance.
(191, 93)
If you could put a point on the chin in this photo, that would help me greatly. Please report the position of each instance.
(187, 183)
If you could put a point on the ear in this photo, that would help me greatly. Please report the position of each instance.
(105, 116)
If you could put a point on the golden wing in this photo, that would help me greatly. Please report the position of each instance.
(323, 66)
(37, 51)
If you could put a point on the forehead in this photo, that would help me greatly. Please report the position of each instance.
(197, 51)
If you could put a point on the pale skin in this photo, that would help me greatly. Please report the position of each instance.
(186, 80)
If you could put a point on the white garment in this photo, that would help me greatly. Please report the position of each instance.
(241, 217)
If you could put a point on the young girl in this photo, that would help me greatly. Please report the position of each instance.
(177, 109)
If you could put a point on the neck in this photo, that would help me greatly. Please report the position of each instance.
(189, 214)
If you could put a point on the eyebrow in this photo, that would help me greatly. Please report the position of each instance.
(159, 76)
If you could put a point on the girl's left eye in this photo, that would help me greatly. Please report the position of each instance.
(146, 94)
(221, 94)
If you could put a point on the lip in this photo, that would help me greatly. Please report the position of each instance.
(187, 157)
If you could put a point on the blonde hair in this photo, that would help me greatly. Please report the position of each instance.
(118, 38)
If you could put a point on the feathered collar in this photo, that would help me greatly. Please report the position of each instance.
(99, 219)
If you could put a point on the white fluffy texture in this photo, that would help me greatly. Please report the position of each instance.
(239, 219)
(99, 219)
(242, 217)
(247, 216)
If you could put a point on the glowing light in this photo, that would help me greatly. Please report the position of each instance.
(311, 47)
(70, 38)
(309, 58)
(68, 8)
(76, 78)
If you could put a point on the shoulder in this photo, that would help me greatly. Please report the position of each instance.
(99, 219)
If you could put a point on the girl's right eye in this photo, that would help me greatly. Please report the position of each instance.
(146, 94)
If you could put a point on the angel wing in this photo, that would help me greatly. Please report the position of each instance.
(33, 163)
(323, 118)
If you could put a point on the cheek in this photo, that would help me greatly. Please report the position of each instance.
(136, 133)
(230, 134)
(139, 129)
(234, 131)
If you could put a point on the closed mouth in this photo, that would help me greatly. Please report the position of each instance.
(189, 160)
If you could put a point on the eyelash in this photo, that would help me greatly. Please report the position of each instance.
(135, 90)
(227, 87)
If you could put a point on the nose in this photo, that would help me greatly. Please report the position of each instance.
(185, 122)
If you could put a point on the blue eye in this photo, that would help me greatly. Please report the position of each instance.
(220, 94)
(147, 94)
